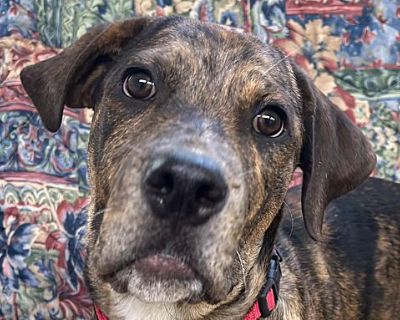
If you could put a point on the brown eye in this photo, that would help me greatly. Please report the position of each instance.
(139, 85)
(269, 123)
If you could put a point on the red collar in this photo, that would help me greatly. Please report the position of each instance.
(99, 314)
(267, 298)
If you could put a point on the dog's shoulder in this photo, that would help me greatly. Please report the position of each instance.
(375, 194)
(364, 225)
(374, 200)
(357, 255)
(363, 217)
(369, 207)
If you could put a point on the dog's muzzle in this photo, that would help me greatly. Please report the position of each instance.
(172, 224)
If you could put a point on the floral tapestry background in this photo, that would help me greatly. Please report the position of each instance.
(351, 48)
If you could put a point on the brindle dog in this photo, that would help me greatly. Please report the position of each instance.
(195, 136)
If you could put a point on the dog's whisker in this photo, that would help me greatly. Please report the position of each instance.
(96, 213)
(243, 271)
(168, 311)
(245, 173)
(129, 148)
(186, 303)
(291, 219)
(278, 62)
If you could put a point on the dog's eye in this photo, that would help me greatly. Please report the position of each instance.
(139, 85)
(269, 122)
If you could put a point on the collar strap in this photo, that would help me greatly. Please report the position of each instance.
(99, 314)
(267, 299)
(269, 294)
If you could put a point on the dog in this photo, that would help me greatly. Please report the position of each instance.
(196, 133)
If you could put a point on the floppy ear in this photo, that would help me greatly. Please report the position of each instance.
(336, 157)
(71, 77)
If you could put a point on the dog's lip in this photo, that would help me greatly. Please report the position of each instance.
(164, 267)
(156, 266)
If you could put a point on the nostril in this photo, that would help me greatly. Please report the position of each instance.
(160, 182)
(209, 195)
(187, 187)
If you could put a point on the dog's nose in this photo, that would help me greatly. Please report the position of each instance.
(188, 187)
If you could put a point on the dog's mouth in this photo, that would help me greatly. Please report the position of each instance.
(157, 277)
(163, 267)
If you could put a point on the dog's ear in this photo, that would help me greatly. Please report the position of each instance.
(335, 158)
(70, 77)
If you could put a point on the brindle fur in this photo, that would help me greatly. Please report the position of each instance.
(211, 83)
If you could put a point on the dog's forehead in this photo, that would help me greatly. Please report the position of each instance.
(206, 43)
(210, 57)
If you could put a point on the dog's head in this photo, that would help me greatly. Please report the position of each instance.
(196, 133)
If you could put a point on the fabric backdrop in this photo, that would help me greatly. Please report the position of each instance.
(349, 47)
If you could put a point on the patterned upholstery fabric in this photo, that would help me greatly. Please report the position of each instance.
(351, 48)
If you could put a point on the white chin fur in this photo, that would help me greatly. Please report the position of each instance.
(155, 300)
(164, 291)
(130, 308)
